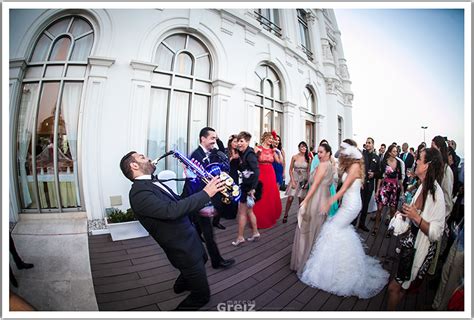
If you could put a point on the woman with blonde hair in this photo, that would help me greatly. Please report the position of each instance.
(268, 209)
(338, 263)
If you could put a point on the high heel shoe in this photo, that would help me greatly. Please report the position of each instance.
(374, 232)
(285, 219)
(255, 237)
(237, 242)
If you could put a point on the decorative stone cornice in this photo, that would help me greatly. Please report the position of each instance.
(222, 83)
(142, 65)
(100, 61)
(250, 91)
(18, 63)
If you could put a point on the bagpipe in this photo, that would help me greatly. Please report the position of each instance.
(213, 168)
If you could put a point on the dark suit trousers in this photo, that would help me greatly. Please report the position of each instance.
(366, 194)
(205, 225)
(195, 280)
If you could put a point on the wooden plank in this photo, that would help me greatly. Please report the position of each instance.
(121, 295)
(283, 300)
(264, 299)
(124, 270)
(250, 271)
(255, 291)
(376, 302)
(134, 303)
(317, 301)
(115, 279)
(332, 303)
(347, 304)
(151, 307)
(108, 266)
(230, 294)
(294, 305)
(306, 295)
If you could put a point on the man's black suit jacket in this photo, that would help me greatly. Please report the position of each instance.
(192, 187)
(408, 161)
(167, 221)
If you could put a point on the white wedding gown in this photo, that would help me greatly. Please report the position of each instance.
(338, 263)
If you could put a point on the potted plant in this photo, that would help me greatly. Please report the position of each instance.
(123, 225)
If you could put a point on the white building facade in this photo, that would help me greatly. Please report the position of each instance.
(89, 85)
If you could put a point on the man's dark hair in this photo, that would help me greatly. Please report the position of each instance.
(205, 132)
(383, 144)
(125, 165)
(244, 135)
(371, 139)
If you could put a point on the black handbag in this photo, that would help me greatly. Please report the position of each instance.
(283, 186)
(406, 254)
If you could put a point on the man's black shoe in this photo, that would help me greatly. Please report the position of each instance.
(179, 288)
(218, 226)
(25, 265)
(363, 228)
(224, 264)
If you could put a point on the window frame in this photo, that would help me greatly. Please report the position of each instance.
(274, 100)
(192, 91)
(41, 80)
(303, 25)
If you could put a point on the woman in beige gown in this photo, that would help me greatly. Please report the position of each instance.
(310, 215)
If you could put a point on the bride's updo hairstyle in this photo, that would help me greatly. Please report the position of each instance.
(348, 155)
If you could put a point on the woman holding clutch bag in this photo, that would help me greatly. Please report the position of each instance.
(310, 216)
(426, 212)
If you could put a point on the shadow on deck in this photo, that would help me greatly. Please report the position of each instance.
(136, 275)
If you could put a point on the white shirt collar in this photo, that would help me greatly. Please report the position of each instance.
(204, 149)
(144, 177)
(157, 183)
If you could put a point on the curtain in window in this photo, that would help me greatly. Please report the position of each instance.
(25, 130)
(157, 125)
(70, 110)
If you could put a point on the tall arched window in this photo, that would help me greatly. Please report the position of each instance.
(309, 109)
(180, 97)
(269, 112)
(47, 126)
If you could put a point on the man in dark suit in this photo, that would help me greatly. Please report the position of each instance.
(166, 217)
(372, 172)
(207, 141)
(409, 160)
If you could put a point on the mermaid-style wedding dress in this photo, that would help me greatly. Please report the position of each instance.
(338, 263)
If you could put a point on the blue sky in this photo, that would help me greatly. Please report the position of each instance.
(407, 71)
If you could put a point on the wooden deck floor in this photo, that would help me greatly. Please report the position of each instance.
(136, 275)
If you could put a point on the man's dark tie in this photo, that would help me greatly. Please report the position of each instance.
(154, 178)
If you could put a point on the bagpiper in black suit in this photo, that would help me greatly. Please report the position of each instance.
(204, 222)
(166, 217)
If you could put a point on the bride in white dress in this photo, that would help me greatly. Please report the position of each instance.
(338, 263)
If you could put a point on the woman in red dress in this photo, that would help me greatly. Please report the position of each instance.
(268, 208)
